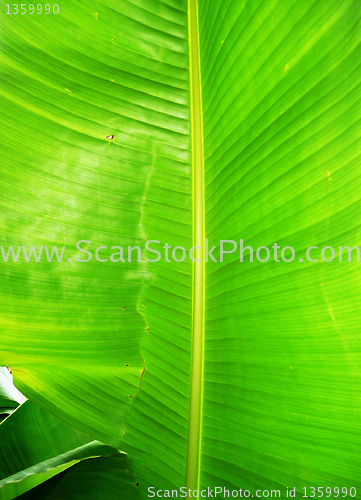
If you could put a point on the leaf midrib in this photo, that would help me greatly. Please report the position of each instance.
(196, 388)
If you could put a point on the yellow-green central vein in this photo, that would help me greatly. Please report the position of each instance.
(196, 392)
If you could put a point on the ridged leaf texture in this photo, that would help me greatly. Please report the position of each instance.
(107, 347)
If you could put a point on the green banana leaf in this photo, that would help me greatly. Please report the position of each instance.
(133, 120)
(41, 491)
(94, 479)
(36, 446)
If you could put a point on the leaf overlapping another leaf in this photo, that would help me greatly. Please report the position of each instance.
(280, 88)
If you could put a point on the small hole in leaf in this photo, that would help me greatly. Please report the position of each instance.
(110, 137)
(136, 485)
(126, 365)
